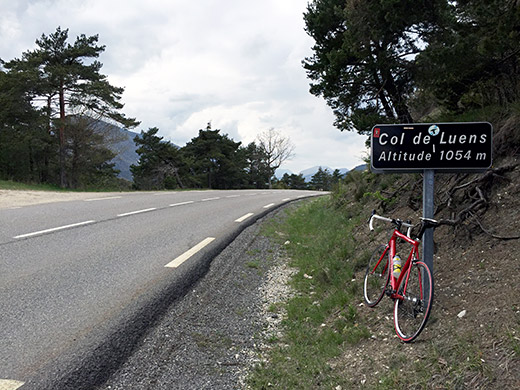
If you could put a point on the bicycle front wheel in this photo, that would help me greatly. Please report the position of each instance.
(376, 276)
(412, 311)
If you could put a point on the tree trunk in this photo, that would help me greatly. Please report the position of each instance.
(381, 95)
(49, 127)
(178, 178)
(62, 135)
(398, 101)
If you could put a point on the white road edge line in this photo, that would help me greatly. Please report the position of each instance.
(9, 384)
(268, 205)
(244, 217)
(181, 203)
(54, 229)
(286, 199)
(137, 212)
(107, 198)
(186, 255)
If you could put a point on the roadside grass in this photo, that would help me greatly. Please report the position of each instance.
(321, 318)
(449, 363)
(13, 185)
(126, 187)
(328, 340)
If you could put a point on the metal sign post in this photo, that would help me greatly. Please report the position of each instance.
(428, 210)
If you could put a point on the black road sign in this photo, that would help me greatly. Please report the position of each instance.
(442, 147)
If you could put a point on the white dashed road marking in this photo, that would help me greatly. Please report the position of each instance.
(9, 384)
(207, 199)
(186, 255)
(181, 203)
(53, 229)
(244, 217)
(268, 205)
(107, 198)
(137, 212)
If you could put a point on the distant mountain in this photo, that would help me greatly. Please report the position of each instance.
(362, 167)
(310, 172)
(126, 154)
(121, 142)
(280, 172)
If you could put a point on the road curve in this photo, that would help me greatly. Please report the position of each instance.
(83, 280)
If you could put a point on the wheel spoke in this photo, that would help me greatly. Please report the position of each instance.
(412, 312)
(376, 276)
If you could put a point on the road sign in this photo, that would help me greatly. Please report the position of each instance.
(441, 147)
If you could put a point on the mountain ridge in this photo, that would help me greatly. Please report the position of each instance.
(310, 172)
(121, 142)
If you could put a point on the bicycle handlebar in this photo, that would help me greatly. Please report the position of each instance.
(396, 222)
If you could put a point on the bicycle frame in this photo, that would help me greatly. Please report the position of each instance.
(395, 283)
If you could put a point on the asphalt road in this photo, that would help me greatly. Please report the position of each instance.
(80, 282)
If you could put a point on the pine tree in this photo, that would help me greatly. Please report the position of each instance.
(159, 163)
(215, 160)
(69, 86)
(363, 59)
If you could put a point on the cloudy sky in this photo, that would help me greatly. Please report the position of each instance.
(183, 63)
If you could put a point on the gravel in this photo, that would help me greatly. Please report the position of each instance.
(20, 198)
(213, 336)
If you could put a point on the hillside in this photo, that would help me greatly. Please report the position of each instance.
(472, 340)
(126, 154)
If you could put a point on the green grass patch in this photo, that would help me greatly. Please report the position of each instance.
(321, 318)
(255, 264)
(13, 185)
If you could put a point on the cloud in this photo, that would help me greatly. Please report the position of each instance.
(183, 63)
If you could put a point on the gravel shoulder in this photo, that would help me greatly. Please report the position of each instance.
(211, 337)
(18, 198)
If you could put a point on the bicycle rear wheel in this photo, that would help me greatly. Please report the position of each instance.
(412, 312)
(376, 276)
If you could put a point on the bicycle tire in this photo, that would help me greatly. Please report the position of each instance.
(412, 312)
(376, 276)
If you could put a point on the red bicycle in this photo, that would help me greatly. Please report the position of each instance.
(411, 282)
